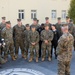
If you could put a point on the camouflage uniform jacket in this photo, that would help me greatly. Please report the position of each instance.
(64, 48)
(47, 35)
(36, 26)
(33, 37)
(49, 24)
(2, 25)
(26, 33)
(18, 32)
(7, 34)
(70, 27)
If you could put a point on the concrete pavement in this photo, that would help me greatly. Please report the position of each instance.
(40, 68)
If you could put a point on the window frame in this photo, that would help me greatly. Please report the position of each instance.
(21, 14)
(33, 14)
(55, 13)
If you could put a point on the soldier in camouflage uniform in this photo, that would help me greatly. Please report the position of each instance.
(2, 25)
(47, 22)
(46, 38)
(18, 34)
(73, 31)
(58, 26)
(26, 42)
(64, 51)
(7, 34)
(33, 43)
(74, 36)
(70, 25)
(35, 23)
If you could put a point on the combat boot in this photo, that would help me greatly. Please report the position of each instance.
(30, 60)
(43, 59)
(23, 56)
(37, 59)
(49, 59)
(5, 58)
(16, 56)
(13, 58)
(2, 61)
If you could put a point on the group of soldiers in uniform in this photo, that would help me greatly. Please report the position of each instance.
(40, 40)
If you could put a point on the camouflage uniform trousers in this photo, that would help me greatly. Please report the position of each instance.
(20, 44)
(26, 48)
(44, 48)
(9, 48)
(63, 68)
(36, 47)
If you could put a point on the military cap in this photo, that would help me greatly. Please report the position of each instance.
(59, 18)
(67, 17)
(64, 24)
(8, 22)
(33, 26)
(46, 25)
(34, 19)
(18, 20)
(3, 18)
(27, 25)
(46, 18)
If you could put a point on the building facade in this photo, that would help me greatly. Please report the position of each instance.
(29, 9)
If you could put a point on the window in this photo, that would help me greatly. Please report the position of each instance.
(63, 14)
(21, 14)
(53, 14)
(33, 14)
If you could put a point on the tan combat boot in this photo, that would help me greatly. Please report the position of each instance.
(23, 56)
(49, 59)
(30, 60)
(13, 58)
(16, 56)
(5, 59)
(37, 59)
(43, 59)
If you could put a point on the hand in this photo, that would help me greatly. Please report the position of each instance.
(46, 41)
(33, 44)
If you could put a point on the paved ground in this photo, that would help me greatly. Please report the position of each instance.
(47, 68)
